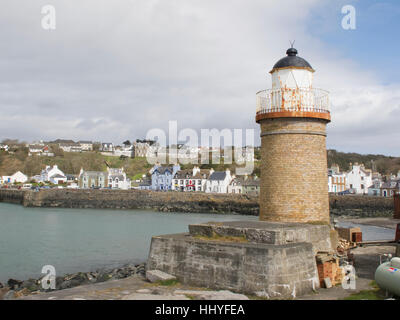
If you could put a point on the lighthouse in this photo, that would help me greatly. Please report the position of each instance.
(293, 116)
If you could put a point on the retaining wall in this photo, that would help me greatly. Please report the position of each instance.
(349, 205)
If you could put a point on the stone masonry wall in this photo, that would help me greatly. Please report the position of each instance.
(363, 206)
(272, 271)
(294, 183)
(12, 196)
(134, 199)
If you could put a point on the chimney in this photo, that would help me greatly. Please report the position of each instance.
(196, 170)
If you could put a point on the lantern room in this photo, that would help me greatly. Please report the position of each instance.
(292, 93)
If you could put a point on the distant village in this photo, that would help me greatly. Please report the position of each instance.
(358, 180)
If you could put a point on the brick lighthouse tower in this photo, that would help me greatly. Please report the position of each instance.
(293, 117)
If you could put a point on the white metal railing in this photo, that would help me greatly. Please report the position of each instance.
(292, 99)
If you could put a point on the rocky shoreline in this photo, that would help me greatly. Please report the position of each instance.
(18, 288)
(358, 206)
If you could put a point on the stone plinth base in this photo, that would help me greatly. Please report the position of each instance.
(274, 260)
(269, 232)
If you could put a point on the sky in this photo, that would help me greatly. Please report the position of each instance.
(113, 70)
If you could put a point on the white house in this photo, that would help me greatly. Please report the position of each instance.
(71, 147)
(15, 178)
(35, 149)
(358, 179)
(117, 179)
(107, 147)
(219, 181)
(39, 150)
(19, 177)
(126, 151)
(54, 175)
(86, 145)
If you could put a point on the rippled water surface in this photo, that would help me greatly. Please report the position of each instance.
(75, 240)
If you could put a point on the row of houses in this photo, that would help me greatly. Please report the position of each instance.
(49, 174)
(137, 149)
(359, 180)
(41, 148)
(172, 178)
(114, 178)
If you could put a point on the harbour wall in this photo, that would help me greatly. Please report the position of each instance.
(134, 199)
(348, 205)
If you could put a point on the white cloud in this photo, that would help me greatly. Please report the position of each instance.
(113, 70)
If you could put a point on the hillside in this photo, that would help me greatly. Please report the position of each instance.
(71, 163)
(376, 162)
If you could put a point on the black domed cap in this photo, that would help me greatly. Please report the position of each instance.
(292, 60)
